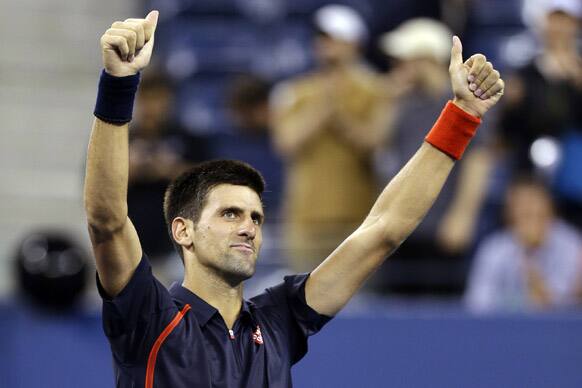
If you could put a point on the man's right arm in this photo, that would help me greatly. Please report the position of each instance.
(126, 49)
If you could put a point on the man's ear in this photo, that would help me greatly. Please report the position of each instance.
(182, 229)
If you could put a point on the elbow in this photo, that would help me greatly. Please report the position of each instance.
(381, 236)
(105, 220)
(396, 232)
(104, 230)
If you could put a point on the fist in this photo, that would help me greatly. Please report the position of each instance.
(477, 86)
(127, 46)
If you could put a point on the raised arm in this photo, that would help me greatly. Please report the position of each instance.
(126, 49)
(296, 119)
(407, 198)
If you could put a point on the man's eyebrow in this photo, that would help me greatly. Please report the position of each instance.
(234, 209)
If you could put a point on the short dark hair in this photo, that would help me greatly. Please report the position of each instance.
(186, 195)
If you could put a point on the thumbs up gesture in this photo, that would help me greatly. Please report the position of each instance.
(477, 86)
(127, 46)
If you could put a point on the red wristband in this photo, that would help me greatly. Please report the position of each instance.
(453, 131)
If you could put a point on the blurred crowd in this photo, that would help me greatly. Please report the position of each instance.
(329, 123)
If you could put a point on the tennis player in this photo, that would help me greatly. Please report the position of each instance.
(202, 333)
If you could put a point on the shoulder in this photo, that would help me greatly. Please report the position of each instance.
(280, 292)
(567, 236)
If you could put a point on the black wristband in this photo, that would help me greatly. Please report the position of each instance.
(115, 98)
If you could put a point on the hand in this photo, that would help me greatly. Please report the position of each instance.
(538, 290)
(476, 84)
(454, 233)
(127, 46)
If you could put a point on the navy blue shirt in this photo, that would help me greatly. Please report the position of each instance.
(162, 338)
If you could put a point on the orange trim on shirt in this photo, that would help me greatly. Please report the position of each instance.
(149, 382)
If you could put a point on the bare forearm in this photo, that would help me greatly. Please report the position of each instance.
(407, 198)
(294, 129)
(106, 175)
(394, 216)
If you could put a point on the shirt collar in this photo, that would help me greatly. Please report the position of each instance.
(201, 308)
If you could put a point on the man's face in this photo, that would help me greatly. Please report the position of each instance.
(561, 29)
(228, 236)
(529, 211)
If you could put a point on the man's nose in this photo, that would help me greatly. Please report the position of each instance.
(248, 228)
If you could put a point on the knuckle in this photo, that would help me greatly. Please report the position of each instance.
(116, 23)
(131, 35)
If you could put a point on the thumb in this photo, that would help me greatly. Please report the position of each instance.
(456, 52)
(152, 19)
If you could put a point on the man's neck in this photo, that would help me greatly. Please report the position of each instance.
(216, 292)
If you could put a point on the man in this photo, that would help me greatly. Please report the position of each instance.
(203, 333)
(534, 263)
(326, 125)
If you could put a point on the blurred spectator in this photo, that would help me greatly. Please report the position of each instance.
(159, 149)
(326, 125)
(534, 263)
(421, 50)
(52, 270)
(542, 119)
(250, 140)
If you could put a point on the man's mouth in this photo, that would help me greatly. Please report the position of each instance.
(245, 247)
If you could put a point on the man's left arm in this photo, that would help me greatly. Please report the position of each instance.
(406, 199)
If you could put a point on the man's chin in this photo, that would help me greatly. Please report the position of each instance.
(240, 274)
(235, 278)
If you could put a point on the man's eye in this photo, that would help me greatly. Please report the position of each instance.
(229, 215)
(257, 221)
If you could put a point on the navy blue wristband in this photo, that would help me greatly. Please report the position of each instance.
(115, 98)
